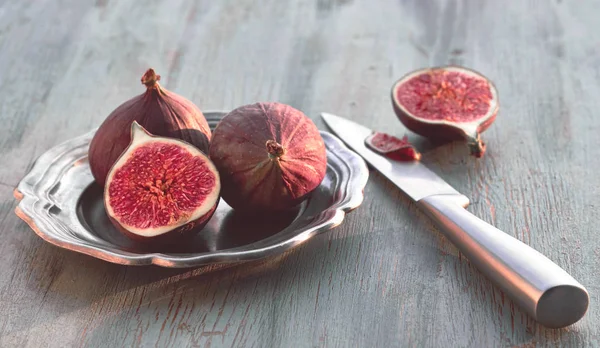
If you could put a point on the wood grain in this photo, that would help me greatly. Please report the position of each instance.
(384, 278)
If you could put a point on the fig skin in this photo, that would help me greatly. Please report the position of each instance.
(140, 137)
(270, 157)
(160, 112)
(448, 130)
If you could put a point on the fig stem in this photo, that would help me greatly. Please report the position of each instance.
(150, 78)
(274, 149)
(476, 146)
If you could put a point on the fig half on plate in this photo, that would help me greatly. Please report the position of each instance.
(160, 188)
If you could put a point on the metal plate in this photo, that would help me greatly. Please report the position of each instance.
(62, 204)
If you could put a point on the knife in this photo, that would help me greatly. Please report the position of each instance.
(544, 290)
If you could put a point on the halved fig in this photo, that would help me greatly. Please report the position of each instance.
(160, 187)
(450, 103)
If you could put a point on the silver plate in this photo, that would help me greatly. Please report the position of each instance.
(62, 204)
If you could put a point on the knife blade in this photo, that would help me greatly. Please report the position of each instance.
(414, 178)
(543, 289)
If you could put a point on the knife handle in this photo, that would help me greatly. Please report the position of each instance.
(543, 289)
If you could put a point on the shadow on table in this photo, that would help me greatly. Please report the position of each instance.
(236, 230)
(120, 293)
(68, 280)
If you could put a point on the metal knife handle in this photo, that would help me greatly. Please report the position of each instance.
(548, 293)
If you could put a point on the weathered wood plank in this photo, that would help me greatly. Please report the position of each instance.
(385, 277)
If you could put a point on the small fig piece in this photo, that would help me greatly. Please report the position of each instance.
(160, 187)
(392, 147)
(449, 103)
(159, 111)
(270, 157)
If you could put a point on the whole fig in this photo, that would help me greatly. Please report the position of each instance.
(270, 156)
(159, 111)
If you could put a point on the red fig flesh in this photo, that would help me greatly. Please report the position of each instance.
(270, 156)
(392, 147)
(159, 111)
(160, 186)
(447, 103)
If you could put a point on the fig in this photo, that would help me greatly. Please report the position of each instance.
(448, 103)
(392, 147)
(270, 157)
(159, 111)
(160, 188)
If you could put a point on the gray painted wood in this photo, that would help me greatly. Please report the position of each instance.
(385, 277)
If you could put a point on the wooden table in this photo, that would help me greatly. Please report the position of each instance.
(384, 278)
